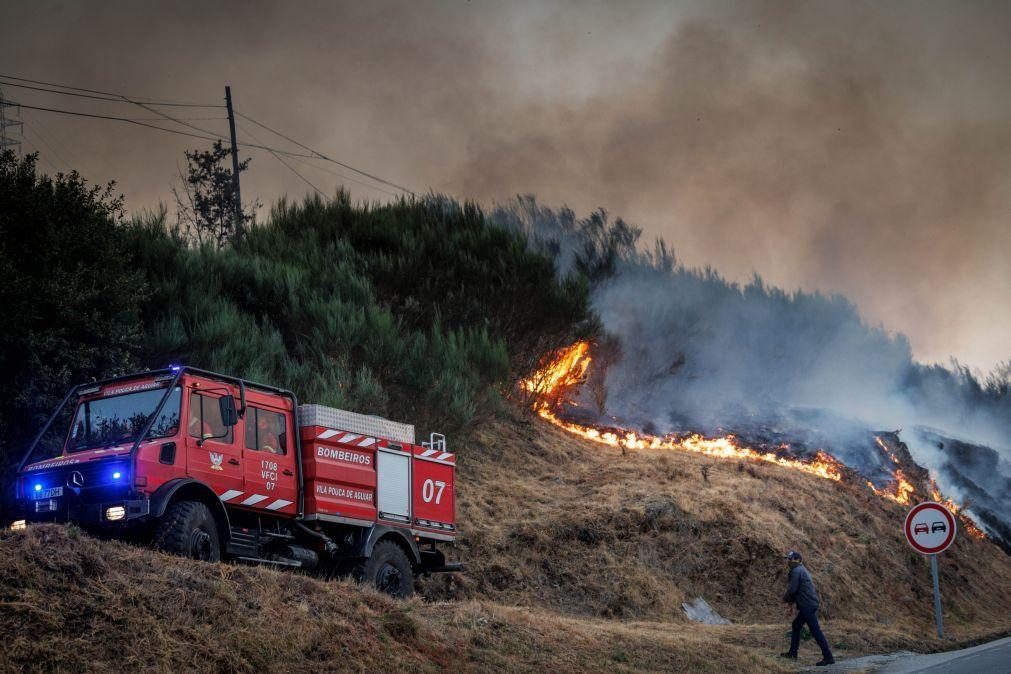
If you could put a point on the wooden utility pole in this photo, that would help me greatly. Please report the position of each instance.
(235, 163)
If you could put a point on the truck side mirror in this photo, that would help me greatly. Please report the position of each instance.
(229, 415)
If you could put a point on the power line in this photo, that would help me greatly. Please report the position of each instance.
(45, 132)
(117, 99)
(214, 138)
(42, 156)
(188, 119)
(284, 163)
(342, 176)
(112, 100)
(320, 155)
(129, 120)
(115, 96)
(65, 93)
(38, 134)
(175, 119)
(209, 135)
(109, 117)
(292, 169)
(301, 160)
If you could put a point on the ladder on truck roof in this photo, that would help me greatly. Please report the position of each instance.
(435, 441)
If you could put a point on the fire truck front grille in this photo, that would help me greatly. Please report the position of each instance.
(92, 482)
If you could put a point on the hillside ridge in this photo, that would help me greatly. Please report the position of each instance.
(550, 519)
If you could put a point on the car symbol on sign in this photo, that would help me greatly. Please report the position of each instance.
(921, 529)
(938, 526)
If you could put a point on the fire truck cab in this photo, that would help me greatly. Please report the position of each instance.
(212, 467)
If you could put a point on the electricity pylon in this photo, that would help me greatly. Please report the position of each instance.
(10, 119)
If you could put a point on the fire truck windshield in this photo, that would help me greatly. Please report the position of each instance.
(103, 422)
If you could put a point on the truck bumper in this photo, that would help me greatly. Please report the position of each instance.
(110, 513)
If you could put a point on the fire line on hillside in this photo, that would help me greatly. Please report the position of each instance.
(549, 391)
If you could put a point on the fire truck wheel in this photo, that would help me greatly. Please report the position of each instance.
(388, 570)
(188, 529)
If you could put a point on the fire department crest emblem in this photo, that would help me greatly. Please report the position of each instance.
(216, 460)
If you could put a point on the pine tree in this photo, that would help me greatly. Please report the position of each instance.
(206, 209)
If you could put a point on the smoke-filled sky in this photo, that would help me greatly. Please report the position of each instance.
(847, 147)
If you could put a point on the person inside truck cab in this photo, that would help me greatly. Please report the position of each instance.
(268, 439)
(198, 428)
(205, 418)
(265, 431)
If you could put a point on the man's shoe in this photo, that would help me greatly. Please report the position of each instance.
(788, 654)
(824, 662)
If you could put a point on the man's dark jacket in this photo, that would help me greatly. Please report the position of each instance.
(800, 589)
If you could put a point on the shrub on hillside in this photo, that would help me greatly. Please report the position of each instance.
(70, 294)
(414, 309)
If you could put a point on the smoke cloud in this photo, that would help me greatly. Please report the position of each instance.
(687, 351)
(860, 148)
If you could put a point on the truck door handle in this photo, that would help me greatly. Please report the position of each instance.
(234, 462)
(287, 472)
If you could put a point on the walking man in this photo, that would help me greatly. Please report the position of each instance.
(800, 591)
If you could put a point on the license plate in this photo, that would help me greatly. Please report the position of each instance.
(52, 492)
(47, 506)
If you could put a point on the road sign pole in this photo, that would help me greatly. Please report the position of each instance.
(937, 597)
(930, 528)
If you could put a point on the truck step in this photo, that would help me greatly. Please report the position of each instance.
(243, 543)
(276, 562)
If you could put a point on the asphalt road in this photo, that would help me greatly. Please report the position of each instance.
(990, 658)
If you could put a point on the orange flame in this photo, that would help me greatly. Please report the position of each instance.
(567, 368)
(563, 370)
(967, 523)
(900, 490)
(726, 447)
(903, 492)
(935, 495)
(888, 452)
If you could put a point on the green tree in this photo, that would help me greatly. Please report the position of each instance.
(206, 207)
(70, 294)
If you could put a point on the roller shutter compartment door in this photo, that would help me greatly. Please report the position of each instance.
(393, 498)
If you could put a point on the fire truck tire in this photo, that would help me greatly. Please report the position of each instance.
(188, 529)
(388, 570)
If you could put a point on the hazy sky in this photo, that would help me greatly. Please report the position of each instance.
(846, 147)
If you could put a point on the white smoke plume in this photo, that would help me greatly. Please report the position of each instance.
(698, 353)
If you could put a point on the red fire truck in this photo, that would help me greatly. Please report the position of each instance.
(213, 467)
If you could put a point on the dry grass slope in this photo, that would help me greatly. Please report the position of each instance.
(553, 521)
(72, 603)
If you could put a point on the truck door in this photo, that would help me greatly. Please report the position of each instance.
(268, 459)
(211, 453)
